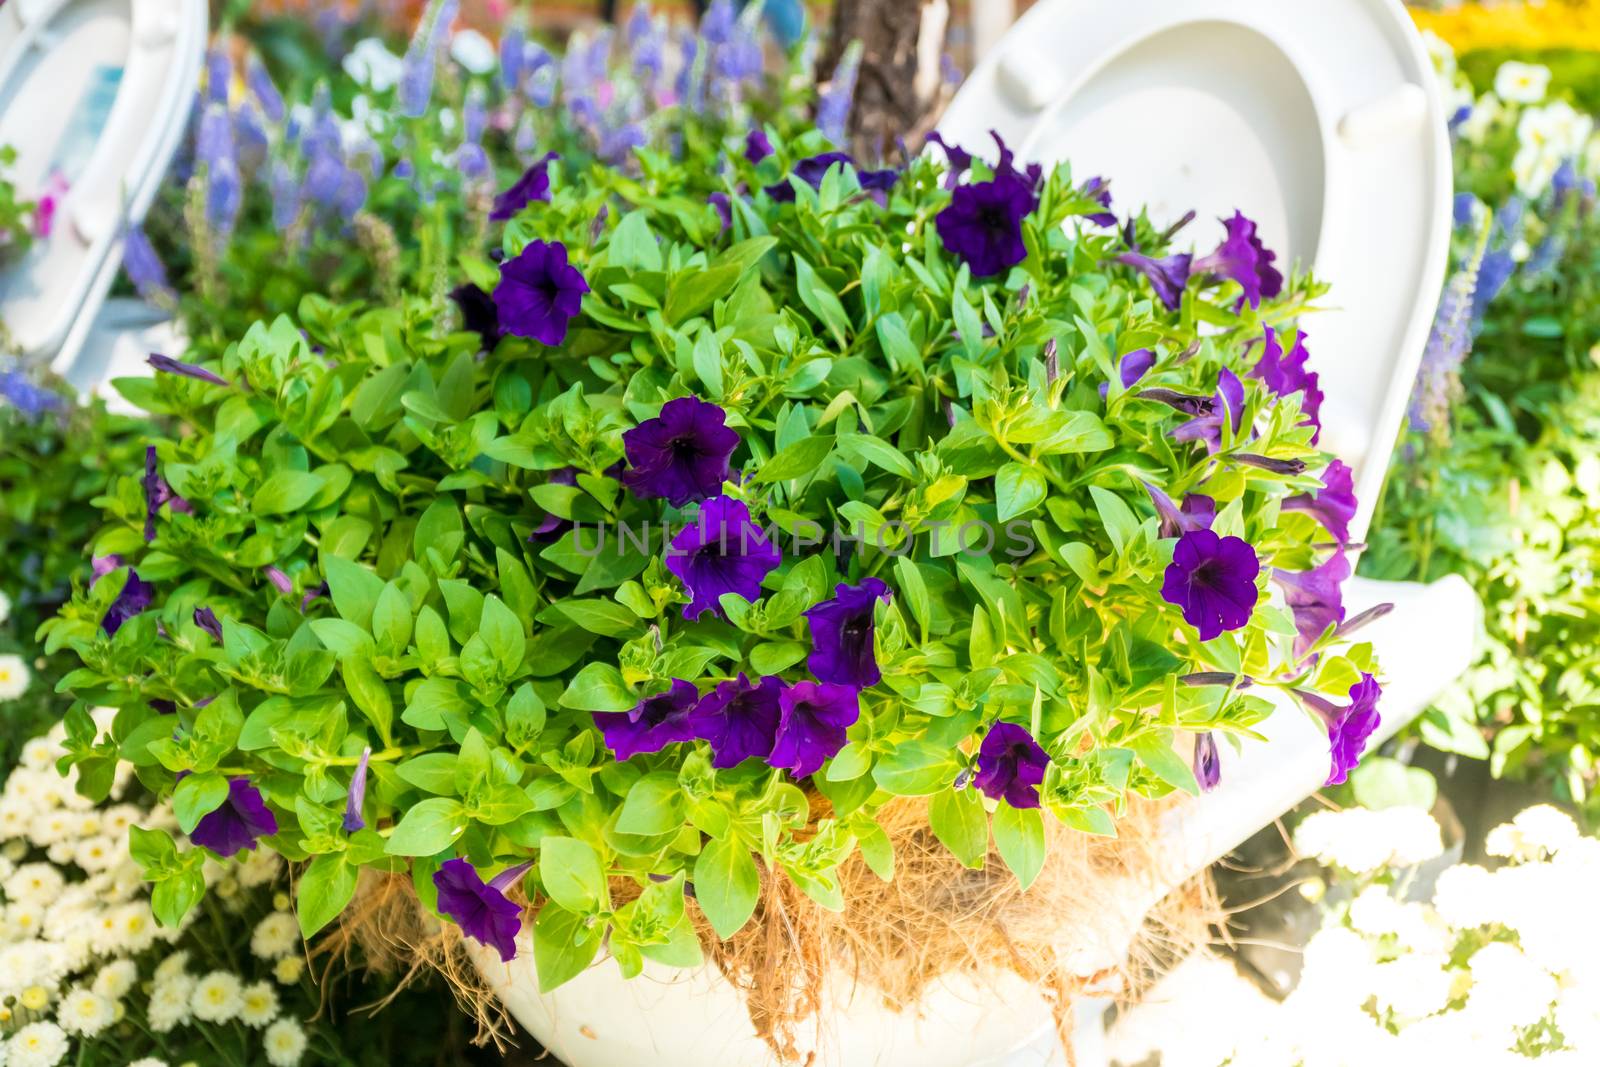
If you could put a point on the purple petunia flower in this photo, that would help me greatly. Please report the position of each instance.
(539, 293)
(234, 827)
(1197, 513)
(739, 718)
(1348, 728)
(206, 619)
(1334, 505)
(1287, 374)
(1132, 367)
(318, 590)
(958, 158)
(1207, 762)
(1315, 598)
(156, 493)
(982, 224)
(1242, 257)
(1099, 190)
(481, 910)
(478, 313)
(813, 169)
(1168, 274)
(1206, 427)
(756, 145)
(1269, 463)
(533, 185)
(357, 795)
(168, 365)
(100, 566)
(1011, 765)
(842, 635)
(838, 96)
(280, 581)
(681, 454)
(722, 552)
(653, 724)
(1213, 579)
(812, 724)
(724, 206)
(134, 597)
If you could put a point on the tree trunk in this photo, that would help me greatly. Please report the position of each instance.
(899, 92)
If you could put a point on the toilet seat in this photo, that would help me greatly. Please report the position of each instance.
(101, 89)
(1320, 121)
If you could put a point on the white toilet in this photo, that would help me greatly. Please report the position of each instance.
(95, 93)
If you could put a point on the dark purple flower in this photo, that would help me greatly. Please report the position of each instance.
(756, 145)
(1242, 257)
(1315, 598)
(318, 590)
(206, 619)
(1213, 579)
(721, 552)
(813, 169)
(739, 718)
(478, 313)
(1168, 275)
(1099, 190)
(1268, 463)
(482, 911)
(812, 724)
(100, 566)
(1133, 366)
(135, 596)
(1334, 505)
(235, 825)
(1348, 728)
(1207, 762)
(533, 185)
(156, 493)
(1361, 619)
(724, 206)
(1228, 402)
(842, 635)
(1011, 765)
(280, 581)
(358, 794)
(982, 224)
(168, 365)
(539, 293)
(958, 158)
(1287, 374)
(681, 454)
(653, 724)
(1197, 513)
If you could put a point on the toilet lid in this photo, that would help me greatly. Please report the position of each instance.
(1320, 121)
(95, 96)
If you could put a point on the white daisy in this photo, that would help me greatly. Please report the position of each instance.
(115, 979)
(285, 1043)
(1522, 83)
(275, 936)
(41, 1044)
(14, 677)
(217, 997)
(260, 1005)
(85, 1012)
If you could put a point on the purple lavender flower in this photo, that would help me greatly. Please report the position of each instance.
(357, 795)
(1315, 598)
(1207, 762)
(812, 723)
(1099, 190)
(835, 101)
(512, 44)
(234, 827)
(417, 69)
(168, 365)
(213, 143)
(206, 619)
(739, 718)
(156, 493)
(481, 910)
(1197, 513)
(144, 268)
(285, 196)
(31, 400)
(263, 89)
(1227, 404)
(1213, 579)
(756, 145)
(1242, 257)
(1011, 765)
(1287, 374)
(1334, 505)
(250, 137)
(1449, 342)
(722, 552)
(352, 194)
(653, 724)
(324, 178)
(219, 75)
(682, 454)
(478, 313)
(842, 633)
(135, 596)
(1349, 727)
(539, 293)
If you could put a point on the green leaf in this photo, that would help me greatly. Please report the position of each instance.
(598, 687)
(354, 588)
(1116, 516)
(879, 453)
(774, 657)
(797, 460)
(285, 491)
(914, 591)
(503, 633)
(821, 300)
(1019, 835)
(370, 694)
(572, 876)
(655, 805)
(604, 617)
(958, 819)
(1154, 750)
(196, 796)
(1380, 782)
(430, 827)
(173, 896)
(326, 886)
(563, 946)
(726, 885)
(391, 621)
(915, 767)
(1018, 489)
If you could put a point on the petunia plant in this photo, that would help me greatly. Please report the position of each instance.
(761, 492)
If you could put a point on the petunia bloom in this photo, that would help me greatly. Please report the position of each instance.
(1213, 579)
(234, 826)
(1197, 513)
(1207, 762)
(1099, 190)
(478, 313)
(681, 454)
(723, 551)
(280, 581)
(813, 169)
(1132, 367)
(1011, 765)
(206, 619)
(168, 365)
(539, 293)
(1349, 728)
(357, 794)
(739, 718)
(1168, 275)
(958, 158)
(1334, 505)
(1242, 257)
(156, 493)
(811, 726)
(756, 145)
(533, 185)
(1315, 598)
(842, 634)
(135, 596)
(982, 224)
(481, 910)
(653, 724)
(1286, 374)
(1227, 404)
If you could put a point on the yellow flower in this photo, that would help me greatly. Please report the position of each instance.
(35, 998)
(1552, 24)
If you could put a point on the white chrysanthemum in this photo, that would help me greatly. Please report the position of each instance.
(260, 1005)
(15, 815)
(1465, 896)
(50, 828)
(1508, 989)
(285, 1043)
(1522, 83)
(287, 971)
(115, 979)
(39, 754)
(148, 1061)
(14, 677)
(136, 926)
(118, 819)
(41, 1044)
(1414, 985)
(174, 966)
(96, 853)
(258, 868)
(217, 997)
(85, 1012)
(33, 883)
(275, 936)
(1542, 830)
(169, 1003)
(23, 920)
(60, 853)
(1337, 966)
(1360, 840)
